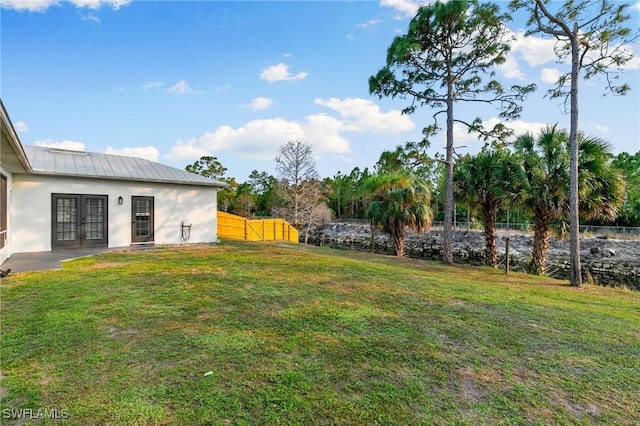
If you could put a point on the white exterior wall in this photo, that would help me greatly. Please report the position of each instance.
(30, 209)
(6, 251)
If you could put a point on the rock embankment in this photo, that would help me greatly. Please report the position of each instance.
(605, 261)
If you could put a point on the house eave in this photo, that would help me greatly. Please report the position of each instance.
(15, 158)
(217, 185)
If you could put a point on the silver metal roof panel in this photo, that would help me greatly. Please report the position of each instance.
(62, 162)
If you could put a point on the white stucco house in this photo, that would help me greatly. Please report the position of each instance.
(52, 199)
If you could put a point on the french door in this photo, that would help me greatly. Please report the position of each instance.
(79, 220)
(142, 219)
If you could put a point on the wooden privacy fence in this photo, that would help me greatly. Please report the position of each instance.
(241, 228)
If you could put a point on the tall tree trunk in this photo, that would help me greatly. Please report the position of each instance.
(574, 215)
(398, 238)
(399, 243)
(489, 220)
(296, 207)
(541, 238)
(306, 234)
(447, 233)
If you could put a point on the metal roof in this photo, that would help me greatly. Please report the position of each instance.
(63, 162)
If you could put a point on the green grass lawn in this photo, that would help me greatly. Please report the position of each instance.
(242, 333)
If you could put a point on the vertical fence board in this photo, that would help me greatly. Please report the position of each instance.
(240, 228)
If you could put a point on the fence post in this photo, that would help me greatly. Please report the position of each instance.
(506, 262)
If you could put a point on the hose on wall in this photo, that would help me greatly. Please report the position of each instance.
(185, 230)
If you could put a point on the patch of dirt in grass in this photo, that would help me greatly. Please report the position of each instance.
(45, 380)
(519, 376)
(539, 327)
(206, 316)
(468, 379)
(105, 265)
(538, 414)
(578, 410)
(574, 409)
(490, 375)
(205, 271)
(270, 340)
(325, 340)
(113, 331)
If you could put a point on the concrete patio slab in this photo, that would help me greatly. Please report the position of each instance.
(47, 260)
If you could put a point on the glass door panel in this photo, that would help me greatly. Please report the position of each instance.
(142, 219)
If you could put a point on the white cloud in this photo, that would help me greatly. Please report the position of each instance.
(530, 49)
(147, 152)
(28, 5)
(601, 128)
(42, 5)
(223, 88)
(369, 23)
(90, 17)
(152, 84)
(181, 88)
(259, 104)
(550, 75)
(323, 132)
(281, 72)
(20, 126)
(405, 8)
(261, 139)
(189, 149)
(96, 4)
(471, 143)
(534, 50)
(364, 115)
(65, 144)
(519, 127)
(634, 62)
(256, 139)
(511, 68)
(636, 6)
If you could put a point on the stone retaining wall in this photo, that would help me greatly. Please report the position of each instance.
(605, 261)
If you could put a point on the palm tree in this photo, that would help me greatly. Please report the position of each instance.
(488, 180)
(545, 160)
(400, 201)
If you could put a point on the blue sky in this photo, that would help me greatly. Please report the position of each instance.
(173, 81)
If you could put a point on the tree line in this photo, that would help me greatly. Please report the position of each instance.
(447, 57)
(525, 182)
